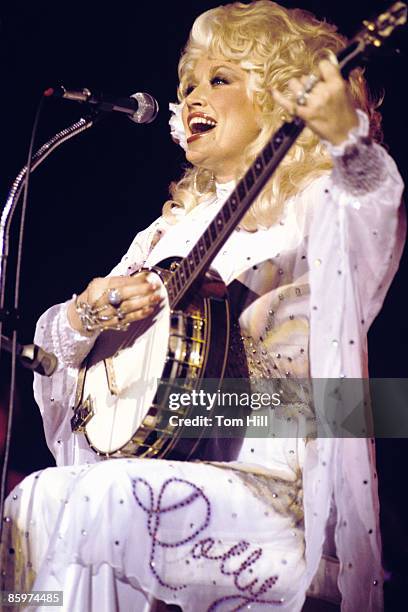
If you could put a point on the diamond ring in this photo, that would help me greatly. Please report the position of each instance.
(310, 82)
(121, 315)
(301, 98)
(114, 297)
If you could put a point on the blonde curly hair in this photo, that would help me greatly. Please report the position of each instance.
(273, 44)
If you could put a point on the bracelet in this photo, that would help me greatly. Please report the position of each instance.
(91, 318)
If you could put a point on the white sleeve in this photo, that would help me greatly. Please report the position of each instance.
(355, 243)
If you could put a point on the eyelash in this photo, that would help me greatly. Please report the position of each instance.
(213, 82)
(219, 78)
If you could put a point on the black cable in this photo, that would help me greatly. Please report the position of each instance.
(7, 441)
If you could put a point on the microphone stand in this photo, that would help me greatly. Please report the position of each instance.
(5, 223)
(13, 197)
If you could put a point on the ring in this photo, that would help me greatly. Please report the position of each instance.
(301, 98)
(123, 327)
(121, 315)
(103, 318)
(114, 297)
(311, 81)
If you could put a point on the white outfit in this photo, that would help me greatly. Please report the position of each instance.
(100, 530)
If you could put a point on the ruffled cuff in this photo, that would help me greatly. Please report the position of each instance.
(358, 162)
(354, 136)
(70, 347)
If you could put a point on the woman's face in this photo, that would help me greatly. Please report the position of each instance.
(219, 118)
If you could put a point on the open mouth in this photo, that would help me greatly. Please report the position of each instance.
(199, 123)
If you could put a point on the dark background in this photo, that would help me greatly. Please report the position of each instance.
(90, 198)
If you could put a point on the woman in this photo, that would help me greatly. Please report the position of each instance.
(313, 257)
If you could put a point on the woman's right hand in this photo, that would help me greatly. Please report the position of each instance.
(139, 296)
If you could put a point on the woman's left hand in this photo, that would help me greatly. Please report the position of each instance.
(328, 109)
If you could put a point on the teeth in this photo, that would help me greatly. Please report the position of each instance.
(201, 120)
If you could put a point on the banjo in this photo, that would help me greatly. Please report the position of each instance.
(122, 404)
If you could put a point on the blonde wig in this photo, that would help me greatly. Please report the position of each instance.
(273, 44)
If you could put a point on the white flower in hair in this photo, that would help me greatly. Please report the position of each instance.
(176, 125)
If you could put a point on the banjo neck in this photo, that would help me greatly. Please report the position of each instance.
(195, 264)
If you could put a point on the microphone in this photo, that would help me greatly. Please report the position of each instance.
(32, 356)
(139, 107)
